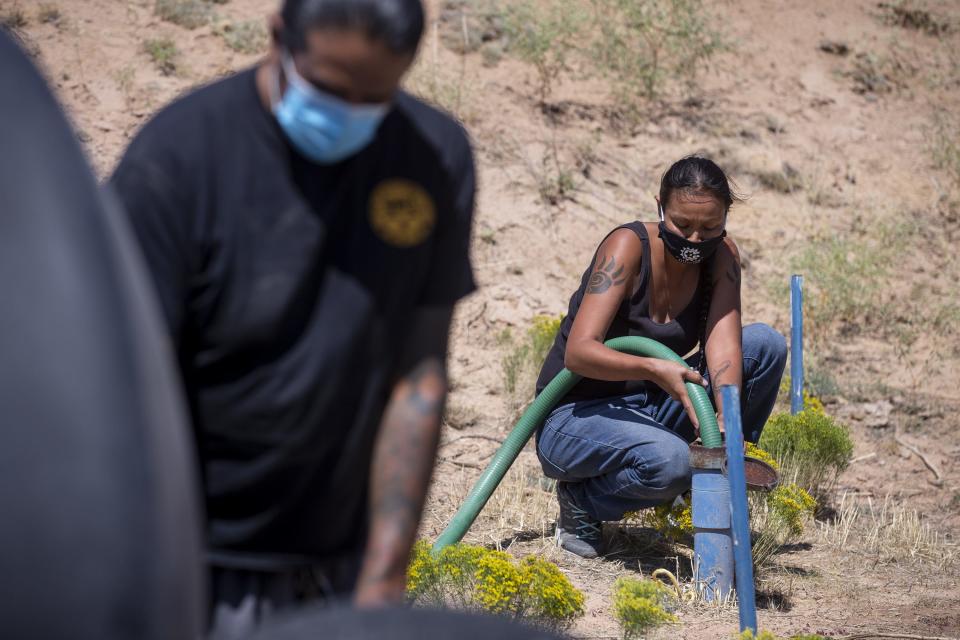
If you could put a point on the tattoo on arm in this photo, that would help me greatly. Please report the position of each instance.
(733, 273)
(402, 465)
(717, 374)
(605, 275)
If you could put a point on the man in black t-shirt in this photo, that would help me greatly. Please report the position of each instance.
(307, 227)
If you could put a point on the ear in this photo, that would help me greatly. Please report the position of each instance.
(276, 27)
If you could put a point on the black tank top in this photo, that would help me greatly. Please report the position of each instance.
(632, 319)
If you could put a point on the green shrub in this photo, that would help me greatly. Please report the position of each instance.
(810, 446)
(641, 44)
(544, 34)
(640, 605)
(524, 356)
(477, 579)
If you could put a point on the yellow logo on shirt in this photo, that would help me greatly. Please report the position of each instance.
(401, 212)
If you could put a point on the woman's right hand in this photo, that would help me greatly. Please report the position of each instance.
(672, 378)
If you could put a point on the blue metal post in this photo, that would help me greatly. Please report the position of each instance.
(712, 543)
(796, 344)
(743, 559)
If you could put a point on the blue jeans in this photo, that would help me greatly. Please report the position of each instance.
(626, 453)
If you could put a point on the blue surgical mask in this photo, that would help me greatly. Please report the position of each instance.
(322, 127)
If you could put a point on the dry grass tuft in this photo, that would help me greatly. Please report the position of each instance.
(49, 13)
(523, 507)
(14, 18)
(245, 37)
(188, 14)
(164, 54)
(891, 533)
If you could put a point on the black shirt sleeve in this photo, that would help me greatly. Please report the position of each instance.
(451, 273)
(159, 217)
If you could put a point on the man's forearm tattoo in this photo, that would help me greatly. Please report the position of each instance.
(402, 466)
(605, 275)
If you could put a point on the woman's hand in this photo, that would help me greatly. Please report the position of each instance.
(672, 377)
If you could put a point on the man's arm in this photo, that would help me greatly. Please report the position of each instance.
(403, 459)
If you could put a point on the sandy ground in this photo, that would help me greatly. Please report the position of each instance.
(861, 163)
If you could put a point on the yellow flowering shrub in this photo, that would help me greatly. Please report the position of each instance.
(791, 504)
(761, 454)
(474, 578)
(673, 521)
(640, 605)
(499, 583)
(552, 597)
(811, 444)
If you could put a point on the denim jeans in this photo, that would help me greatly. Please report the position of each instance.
(626, 453)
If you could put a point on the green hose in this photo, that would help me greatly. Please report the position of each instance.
(537, 412)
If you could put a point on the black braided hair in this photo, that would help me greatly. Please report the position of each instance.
(706, 295)
(696, 174)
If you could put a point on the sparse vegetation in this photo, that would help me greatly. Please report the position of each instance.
(786, 179)
(944, 143)
(640, 605)
(245, 37)
(843, 276)
(642, 44)
(165, 55)
(445, 87)
(545, 34)
(189, 14)
(14, 18)
(124, 78)
(889, 532)
(906, 14)
(879, 74)
(523, 357)
(48, 13)
(473, 578)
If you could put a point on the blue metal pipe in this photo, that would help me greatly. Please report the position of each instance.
(796, 344)
(743, 559)
(712, 542)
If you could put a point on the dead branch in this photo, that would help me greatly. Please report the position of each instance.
(472, 436)
(936, 473)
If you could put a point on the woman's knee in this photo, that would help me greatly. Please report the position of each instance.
(669, 467)
(765, 344)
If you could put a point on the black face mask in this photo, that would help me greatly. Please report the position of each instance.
(684, 250)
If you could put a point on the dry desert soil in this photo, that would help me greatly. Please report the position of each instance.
(837, 121)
